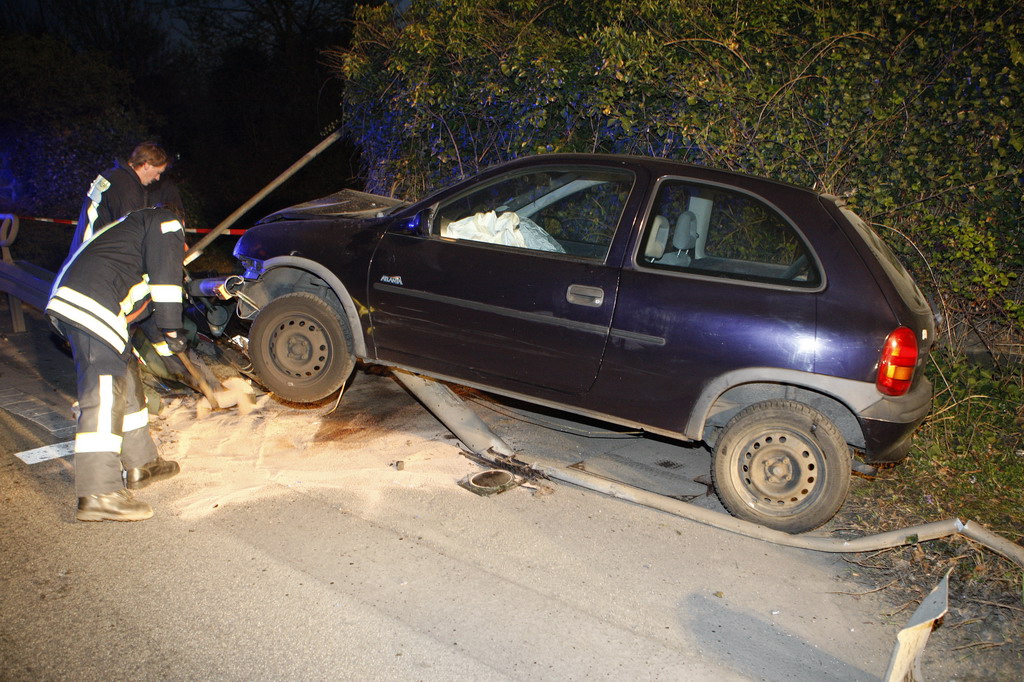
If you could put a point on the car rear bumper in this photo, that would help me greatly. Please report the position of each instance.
(890, 423)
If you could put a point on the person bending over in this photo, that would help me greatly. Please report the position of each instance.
(127, 270)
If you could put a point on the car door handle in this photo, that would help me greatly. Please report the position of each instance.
(579, 294)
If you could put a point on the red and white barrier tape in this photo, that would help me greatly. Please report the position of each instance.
(63, 221)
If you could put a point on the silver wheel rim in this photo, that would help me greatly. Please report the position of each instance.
(299, 347)
(779, 471)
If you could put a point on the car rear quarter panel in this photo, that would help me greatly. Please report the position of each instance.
(909, 306)
(854, 316)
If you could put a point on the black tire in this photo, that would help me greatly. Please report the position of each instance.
(783, 465)
(301, 347)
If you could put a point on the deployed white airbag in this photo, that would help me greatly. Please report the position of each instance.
(508, 229)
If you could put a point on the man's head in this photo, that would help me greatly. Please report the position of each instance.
(148, 160)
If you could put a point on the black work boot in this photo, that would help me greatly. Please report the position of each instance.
(150, 472)
(119, 505)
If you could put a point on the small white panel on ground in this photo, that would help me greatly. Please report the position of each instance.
(47, 452)
(905, 664)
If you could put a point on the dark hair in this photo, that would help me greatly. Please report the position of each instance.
(148, 152)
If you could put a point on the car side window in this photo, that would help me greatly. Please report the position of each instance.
(722, 233)
(574, 211)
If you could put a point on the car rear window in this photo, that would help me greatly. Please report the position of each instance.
(719, 232)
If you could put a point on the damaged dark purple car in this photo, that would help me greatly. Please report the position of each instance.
(762, 318)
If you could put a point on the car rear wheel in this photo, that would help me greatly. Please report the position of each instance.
(301, 347)
(783, 465)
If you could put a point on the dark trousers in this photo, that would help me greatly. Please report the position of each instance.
(113, 427)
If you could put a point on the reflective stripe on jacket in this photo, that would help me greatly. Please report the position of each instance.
(113, 278)
(114, 193)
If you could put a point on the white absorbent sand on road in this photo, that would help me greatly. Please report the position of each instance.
(235, 457)
(675, 593)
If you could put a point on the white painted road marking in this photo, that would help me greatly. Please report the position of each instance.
(47, 452)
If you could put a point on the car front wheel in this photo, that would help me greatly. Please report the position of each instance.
(783, 465)
(301, 347)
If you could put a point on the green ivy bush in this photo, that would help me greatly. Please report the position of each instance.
(913, 111)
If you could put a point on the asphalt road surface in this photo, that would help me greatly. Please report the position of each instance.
(302, 544)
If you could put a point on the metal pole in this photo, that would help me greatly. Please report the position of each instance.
(197, 249)
(487, 445)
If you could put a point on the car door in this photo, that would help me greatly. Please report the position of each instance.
(512, 284)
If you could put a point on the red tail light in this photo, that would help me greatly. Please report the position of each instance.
(896, 368)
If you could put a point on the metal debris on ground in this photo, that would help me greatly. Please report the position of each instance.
(490, 482)
(905, 663)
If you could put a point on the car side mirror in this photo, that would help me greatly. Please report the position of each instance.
(417, 224)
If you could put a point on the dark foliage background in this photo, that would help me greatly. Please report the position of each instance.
(235, 90)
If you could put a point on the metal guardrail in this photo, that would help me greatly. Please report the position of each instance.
(28, 284)
(23, 282)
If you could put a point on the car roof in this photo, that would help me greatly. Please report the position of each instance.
(657, 166)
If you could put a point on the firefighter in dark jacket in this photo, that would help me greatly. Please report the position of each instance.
(128, 269)
(130, 186)
(120, 190)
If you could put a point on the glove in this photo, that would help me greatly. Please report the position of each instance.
(176, 339)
